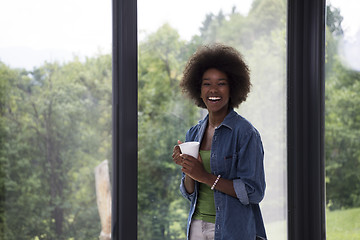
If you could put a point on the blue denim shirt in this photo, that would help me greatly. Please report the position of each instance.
(236, 154)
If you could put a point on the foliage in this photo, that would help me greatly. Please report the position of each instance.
(5, 75)
(342, 118)
(342, 133)
(53, 143)
(164, 117)
(334, 20)
(55, 127)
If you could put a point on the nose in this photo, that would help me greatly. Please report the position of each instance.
(213, 88)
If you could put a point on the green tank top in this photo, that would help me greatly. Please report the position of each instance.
(205, 206)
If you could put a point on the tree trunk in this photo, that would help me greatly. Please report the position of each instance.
(103, 199)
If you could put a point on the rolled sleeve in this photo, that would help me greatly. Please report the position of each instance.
(240, 190)
(250, 182)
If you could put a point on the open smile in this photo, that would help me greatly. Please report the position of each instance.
(214, 99)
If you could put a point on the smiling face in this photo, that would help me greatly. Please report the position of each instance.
(215, 91)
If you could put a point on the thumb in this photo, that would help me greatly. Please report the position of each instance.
(179, 142)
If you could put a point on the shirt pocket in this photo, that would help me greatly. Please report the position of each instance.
(230, 165)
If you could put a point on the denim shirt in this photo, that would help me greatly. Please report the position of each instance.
(236, 154)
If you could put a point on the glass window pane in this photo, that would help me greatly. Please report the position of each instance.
(55, 124)
(342, 120)
(169, 33)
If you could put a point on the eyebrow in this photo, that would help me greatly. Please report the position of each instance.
(220, 79)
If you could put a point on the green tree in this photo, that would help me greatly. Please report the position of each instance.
(5, 75)
(58, 120)
(164, 117)
(334, 20)
(342, 138)
(342, 129)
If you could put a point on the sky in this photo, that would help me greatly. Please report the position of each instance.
(350, 10)
(39, 30)
(186, 16)
(349, 49)
(36, 31)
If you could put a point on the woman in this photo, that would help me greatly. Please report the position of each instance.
(226, 183)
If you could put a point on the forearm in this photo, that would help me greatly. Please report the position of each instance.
(223, 185)
(189, 184)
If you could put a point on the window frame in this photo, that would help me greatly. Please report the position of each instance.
(125, 126)
(305, 119)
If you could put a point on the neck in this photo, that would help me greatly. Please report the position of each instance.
(216, 118)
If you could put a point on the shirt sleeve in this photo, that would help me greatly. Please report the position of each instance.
(183, 191)
(250, 184)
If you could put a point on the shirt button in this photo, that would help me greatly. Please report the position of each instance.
(213, 155)
(218, 227)
(218, 208)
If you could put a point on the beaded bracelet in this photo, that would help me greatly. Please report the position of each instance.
(216, 181)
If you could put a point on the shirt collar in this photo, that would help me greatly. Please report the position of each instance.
(228, 122)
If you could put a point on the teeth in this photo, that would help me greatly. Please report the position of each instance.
(214, 98)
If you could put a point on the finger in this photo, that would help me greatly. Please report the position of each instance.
(184, 160)
(179, 142)
(187, 156)
(176, 154)
(187, 167)
(176, 158)
(176, 151)
(189, 159)
(188, 163)
(179, 162)
(176, 148)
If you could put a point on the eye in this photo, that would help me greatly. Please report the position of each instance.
(222, 83)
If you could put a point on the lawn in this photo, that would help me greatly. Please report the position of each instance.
(343, 224)
(340, 225)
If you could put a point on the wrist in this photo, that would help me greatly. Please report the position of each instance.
(216, 181)
(209, 179)
(188, 178)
